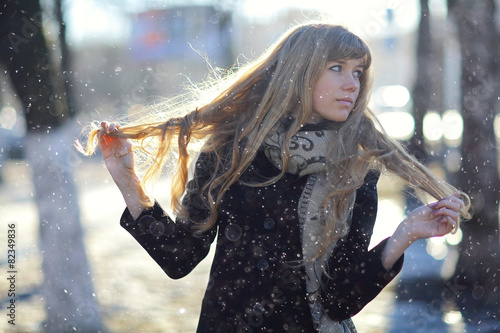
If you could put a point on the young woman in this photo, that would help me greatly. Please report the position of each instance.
(287, 158)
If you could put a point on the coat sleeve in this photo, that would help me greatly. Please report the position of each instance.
(172, 244)
(355, 276)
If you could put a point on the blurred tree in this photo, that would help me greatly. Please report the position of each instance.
(66, 59)
(421, 277)
(225, 9)
(67, 287)
(423, 88)
(478, 270)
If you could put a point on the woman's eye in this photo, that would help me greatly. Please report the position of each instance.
(358, 73)
(335, 68)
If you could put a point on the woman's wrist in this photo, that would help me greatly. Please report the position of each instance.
(404, 235)
(397, 245)
(134, 195)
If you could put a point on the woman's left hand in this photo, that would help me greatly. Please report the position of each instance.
(436, 219)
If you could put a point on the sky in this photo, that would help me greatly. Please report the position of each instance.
(95, 20)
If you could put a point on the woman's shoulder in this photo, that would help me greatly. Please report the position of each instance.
(372, 177)
(261, 169)
(368, 190)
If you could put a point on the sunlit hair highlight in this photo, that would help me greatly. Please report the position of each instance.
(231, 115)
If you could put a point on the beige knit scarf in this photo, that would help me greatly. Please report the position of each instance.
(308, 157)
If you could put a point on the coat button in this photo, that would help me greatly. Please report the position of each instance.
(263, 264)
(258, 309)
(269, 223)
(233, 232)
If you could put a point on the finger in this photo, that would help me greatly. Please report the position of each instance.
(433, 205)
(106, 132)
(104, 126)
(109, 127)
(444, 212)
(104, 139)
(457, 197)
(449, 202)
(446, 225)
(448, 220)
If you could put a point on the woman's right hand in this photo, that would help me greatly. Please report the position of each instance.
(119, 158)
(117, 154)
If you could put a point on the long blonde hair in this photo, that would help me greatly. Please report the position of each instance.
(250, 103)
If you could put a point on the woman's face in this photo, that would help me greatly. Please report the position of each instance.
(336, 90)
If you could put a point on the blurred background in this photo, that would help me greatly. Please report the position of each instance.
(436, 89)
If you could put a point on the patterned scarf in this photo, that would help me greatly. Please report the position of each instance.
(308, 157)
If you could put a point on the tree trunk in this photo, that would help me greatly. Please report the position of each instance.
(66, 59)
(477, 272)
(68, 289)
(421, 278)
(422, 91)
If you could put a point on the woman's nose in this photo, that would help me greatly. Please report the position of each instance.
(351, 83)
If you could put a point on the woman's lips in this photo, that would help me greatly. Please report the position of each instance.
(346, 101)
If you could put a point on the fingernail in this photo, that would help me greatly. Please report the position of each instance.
(436, 211)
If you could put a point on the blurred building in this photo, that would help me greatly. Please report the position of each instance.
(180, 32)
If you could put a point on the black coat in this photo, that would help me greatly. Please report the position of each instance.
(254, 285)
